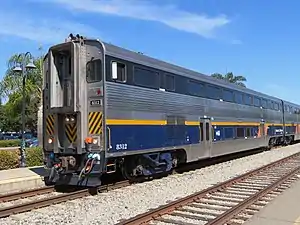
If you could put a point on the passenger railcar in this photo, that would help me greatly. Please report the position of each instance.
(107, 109)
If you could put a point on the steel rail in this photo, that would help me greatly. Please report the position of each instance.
(25, 194)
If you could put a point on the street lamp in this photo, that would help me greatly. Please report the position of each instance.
(21, 67)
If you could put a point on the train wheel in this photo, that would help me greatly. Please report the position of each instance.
(271, 143)
(127, 169)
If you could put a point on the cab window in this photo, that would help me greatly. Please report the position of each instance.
(94, 71)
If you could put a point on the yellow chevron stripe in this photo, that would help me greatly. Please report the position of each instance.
(50, 125)
(95, 122)
(71, 132)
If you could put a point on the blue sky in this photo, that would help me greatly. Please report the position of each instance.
(256, 39)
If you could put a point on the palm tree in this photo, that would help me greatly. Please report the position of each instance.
(231, 78)
(12, 81)
(11, 89)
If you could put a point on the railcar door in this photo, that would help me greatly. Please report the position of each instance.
(206, 134)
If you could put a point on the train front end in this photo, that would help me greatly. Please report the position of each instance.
(73, 113)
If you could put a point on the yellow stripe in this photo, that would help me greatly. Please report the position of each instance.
(164, 122)
(274, 124)
(190, 123)
(223, 123)
(135, 122)
(290, 125)
(281, 124)
(234, 123)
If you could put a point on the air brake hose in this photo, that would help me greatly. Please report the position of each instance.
(84, 171)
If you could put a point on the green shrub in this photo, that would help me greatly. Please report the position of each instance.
(34, 157)
(10, 143)
(9, 159)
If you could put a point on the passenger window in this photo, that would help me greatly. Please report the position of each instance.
(248, 99)
(240, 132)
(228, 132)
(170, 82)
(146, 78)
(238, 98)
(227, 95)
(196, 88)
(121, 72)
(213, 92)
(248, 132)
(256, 101)
(270, 105)
(94, 71)
(264, 103)
(276, 106)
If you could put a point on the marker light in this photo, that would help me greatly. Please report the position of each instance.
(88, 140)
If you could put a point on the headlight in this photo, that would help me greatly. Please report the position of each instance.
(50, 141)
(95, 141)
(72, 119)
(67, 119)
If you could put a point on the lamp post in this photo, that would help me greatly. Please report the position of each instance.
(20, 67)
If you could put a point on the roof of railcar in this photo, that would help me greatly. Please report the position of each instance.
(122, 53)
(133, 56)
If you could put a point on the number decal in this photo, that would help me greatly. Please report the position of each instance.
(121, 146)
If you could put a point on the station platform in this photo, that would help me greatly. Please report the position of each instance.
(21, 179)
(283, 210)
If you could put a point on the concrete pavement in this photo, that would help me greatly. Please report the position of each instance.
(283, 210)
(21, 178)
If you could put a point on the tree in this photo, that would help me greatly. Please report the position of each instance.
(11, 88)
(231, 78)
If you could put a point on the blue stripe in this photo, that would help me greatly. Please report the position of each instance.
(143, 137)
(137, 137)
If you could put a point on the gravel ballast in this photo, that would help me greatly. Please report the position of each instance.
(108, 208)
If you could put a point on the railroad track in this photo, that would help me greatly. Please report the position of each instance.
(231, 202)
(48, 201)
